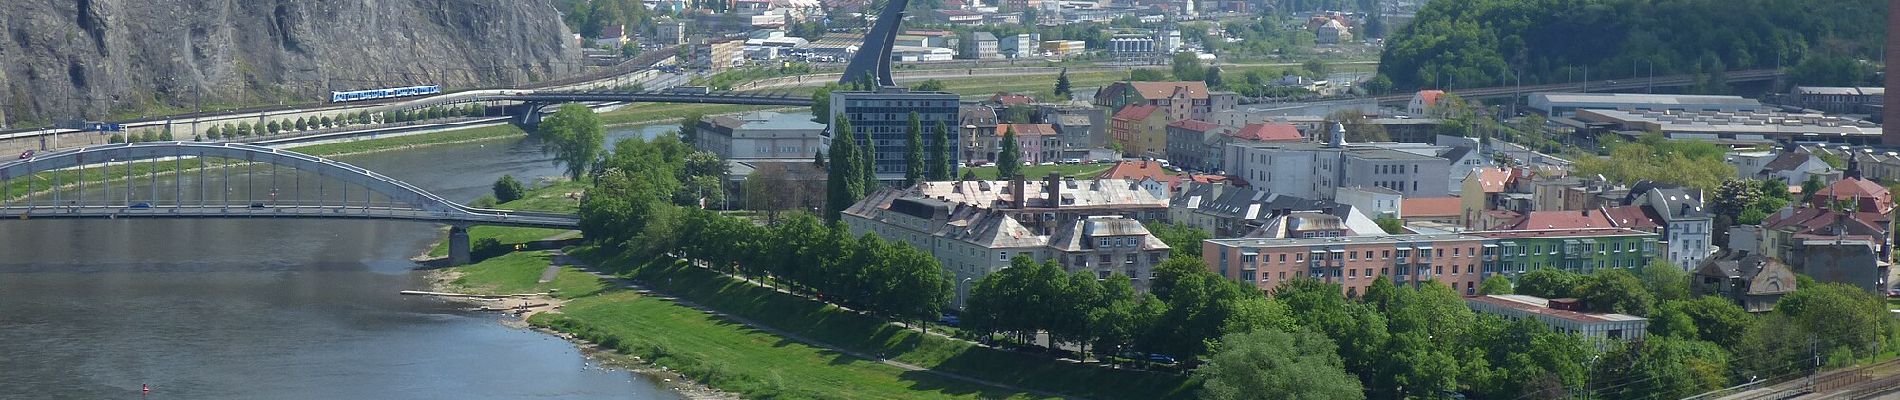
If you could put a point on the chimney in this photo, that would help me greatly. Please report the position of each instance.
(1016, 188)
(1054, 186)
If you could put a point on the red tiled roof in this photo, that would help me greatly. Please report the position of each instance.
(1157, 90)
(1011, 99)
(1531, 233)
(1430, 96)
(1136, 112)
(1634, 217)
(1268, 133)
(1135, 170)
(1819, 220)
(1194, 125)
(1871, 195)
(1431, 207)
(1026, 129)
(1559, 220)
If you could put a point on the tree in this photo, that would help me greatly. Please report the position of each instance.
(1147, 75)
(273, 127)
(1360, 129)
(1315, 67)
(1212, 77)
(931, 85)
(1063, 88)
(1549, 283)
(1018, 114)
(914, 152)
(574, 135)
(1715, 320)
(508, 189)
(1670, 369)
(1615, 291)
(1009, 156)
(327, 122)
(1187, 67)
(1810, 187)
(845, 180)
(213, 133)
(689, 129)
(1391, 225)
(302, 124)
(1496, 284)
(1273, 364)
(1665, 280)
(867, 166)
(821, 102)
(1182, 240)
(116, 138)
(1848, 322)
(244, 129)
(941, 154)
(1378, 85)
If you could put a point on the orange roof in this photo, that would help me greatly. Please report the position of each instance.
(1269, 133)
(1136, 112)
(1559, 220)
(1430, 96)
(1026, 129)
(1011, 99)
(1194, 125)
(1135, 170)
(1158, 90)
(1491, 179)
(1431, 207)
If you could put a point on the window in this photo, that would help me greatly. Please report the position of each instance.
(1283, 258)
(1454, 270)
(1368, 254)
(1002, 256)
(1130, 257)
(1106, 259)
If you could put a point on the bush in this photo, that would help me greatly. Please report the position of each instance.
(508, 189)
(486, 248)
(484, 202)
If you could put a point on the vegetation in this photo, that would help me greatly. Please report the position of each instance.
(574, 135)
(1484, 42)
(508, 189)
(845, 180)
(1690, 163)
(1390, 225)
(1009, 156)
(1182, 240)
(914, 152)
(520, 272)
(1272, 364)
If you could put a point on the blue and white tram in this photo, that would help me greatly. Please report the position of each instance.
(372, 94)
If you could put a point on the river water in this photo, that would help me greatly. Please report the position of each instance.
(298, 309)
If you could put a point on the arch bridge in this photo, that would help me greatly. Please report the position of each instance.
(231, 180)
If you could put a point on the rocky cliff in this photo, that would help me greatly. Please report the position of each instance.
(64, 59)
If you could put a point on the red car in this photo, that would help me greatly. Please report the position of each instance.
(26, 155)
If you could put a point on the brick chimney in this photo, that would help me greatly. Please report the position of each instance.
(1054, 186)
(1016, 187)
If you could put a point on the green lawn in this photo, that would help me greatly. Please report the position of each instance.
(670, 113)
(552, 198)
(829, 324)
(460, 135)
(1079, 171)
(520, 272)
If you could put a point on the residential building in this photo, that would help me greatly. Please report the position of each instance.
(1180, 100)
(1567, 104)
(980, 46)
(976, 128)
(1425, 102)
(1352, 262)
(1749, 279)
(1846, 246)
(1838, 100)
(1043, 205)
(671, 32)
(1141, 130)
(1376, 202)
(761, 135)
(1563, 316)
(612, 37)
(1079, 127)
(1686, 223)
(1481, 191)
(1582, 251)
(1150, 175)
(1195, 144)
(973, 240)
(1333, 32)
(1860, 195)
(1227, 211)
(1315, 170)
(881, 122)
(1790, 166)
(723, 54)
(1334, 221)
(1038, 143)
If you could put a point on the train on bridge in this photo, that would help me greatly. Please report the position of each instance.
(373, 94)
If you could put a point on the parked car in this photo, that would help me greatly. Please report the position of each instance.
(1071, 161)
(140, 206)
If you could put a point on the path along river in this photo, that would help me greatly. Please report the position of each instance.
(289, 309)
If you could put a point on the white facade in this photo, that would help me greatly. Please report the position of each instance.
(1315, 171)
(1373, 201)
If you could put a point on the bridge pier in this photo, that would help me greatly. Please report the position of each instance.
(458, 245)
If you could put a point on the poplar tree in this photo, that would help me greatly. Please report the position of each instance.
(1062, 85)
(1009, 161)
(844, 181)
(940, 154)
(914, 152)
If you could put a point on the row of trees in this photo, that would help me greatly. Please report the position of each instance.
(144, 135)
(1690, 163)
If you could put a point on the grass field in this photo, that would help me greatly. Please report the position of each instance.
(850, 330)
(460, 135)
(1078, 171)
(552, 198)
(520, 272)
(667, 113)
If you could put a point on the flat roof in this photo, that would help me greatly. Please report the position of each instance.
(1541, 306)
(1560, 233)
(1342, 240)
(1645, 99)
(1755, 122)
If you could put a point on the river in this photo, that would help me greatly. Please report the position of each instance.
(289, 309)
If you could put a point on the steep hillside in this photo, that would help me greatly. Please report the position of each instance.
(90, 58)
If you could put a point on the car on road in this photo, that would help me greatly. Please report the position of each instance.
(1071, 161)
(259, 205)
(140, 206)
(26, 154)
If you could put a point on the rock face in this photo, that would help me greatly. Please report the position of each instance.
(65, 59)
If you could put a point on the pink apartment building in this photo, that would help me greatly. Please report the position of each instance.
(1353, 261)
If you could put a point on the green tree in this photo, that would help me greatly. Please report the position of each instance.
(1063, 88)
(1845, 319)
(1810, 187)
(1212, 77)
(508, 189)
(1009, 164)
(574, 135)
(914, 151)
(213, 133)
(931, 85)
(273, 127)
(244, 129)
(327, 122)
(302, 124)
(940, 154)
(821, 102)
(1182, 240)
(1615, 291)
(1549, 283)
(1315, 67)
(1669, 368)
(1378, 85)
(689, 128)
(1273, 364)
(1147, 75)
(867, 167)
(1391, 225)
(1496, 284)
(844, 182)
(1665, 280)
(1359, 128)
(1187, 67)
(116, 138)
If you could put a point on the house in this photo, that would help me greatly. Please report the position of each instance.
(1480, 192)
(1338, 221)
(1332, 32)
(976, 125)
(1860, 194)
(972, 240)
(1004, 99)
(1410, 259)
(1686, 223)
(1562, 316)
(1042, 205)
(1154, 177)
(1079, 126)
(1582, 251)
(611, 37)
(1374, 201)
(1750, 279)
(1314, 170)
(1195, 144)
(761, 135)
(980, 46)
(1227, 211)
(1037, 142)
(1444, 210)
(1844, 246)
(1180, 100)
(1424, 103)
(1790, 166)
(1141, 130)
(1269, 132)
(1558, 220)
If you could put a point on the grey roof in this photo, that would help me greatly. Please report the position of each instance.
(984, 36)
(1455, 153)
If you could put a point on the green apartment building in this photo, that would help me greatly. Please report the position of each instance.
(1581, 251)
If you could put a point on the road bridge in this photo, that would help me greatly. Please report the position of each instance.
(1514, 91)
(231, 180)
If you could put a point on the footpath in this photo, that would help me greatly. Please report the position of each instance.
(560, 259)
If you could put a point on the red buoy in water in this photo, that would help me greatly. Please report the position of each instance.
(144, 388)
